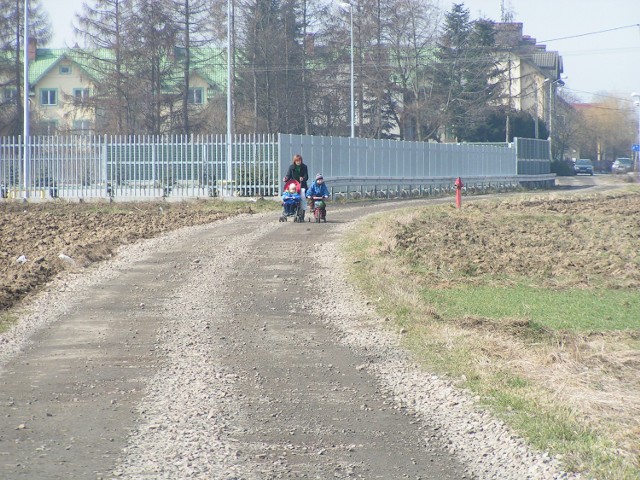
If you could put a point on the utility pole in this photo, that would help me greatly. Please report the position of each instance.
(26, 133)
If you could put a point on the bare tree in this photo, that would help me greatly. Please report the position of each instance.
(411, 39)
(11, 65)
(273, 57)
(607, 129)
(329, 52)
(193, 19)
(567, 125)
(102, 25)
(152, 36)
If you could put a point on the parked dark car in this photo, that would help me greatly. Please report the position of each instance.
(622, 165)
(583, 165)
(602, 166)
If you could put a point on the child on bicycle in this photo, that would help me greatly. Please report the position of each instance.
(317, 191)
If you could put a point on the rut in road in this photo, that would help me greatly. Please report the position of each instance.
(307, 408)
(280, 398)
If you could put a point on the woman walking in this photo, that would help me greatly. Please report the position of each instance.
(298, 171)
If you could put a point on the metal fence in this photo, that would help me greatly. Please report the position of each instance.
(198, 166)
(533, 156)
(384, 166)
(361, 157)
(139, 166)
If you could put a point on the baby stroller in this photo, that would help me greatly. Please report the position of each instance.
(293, 208)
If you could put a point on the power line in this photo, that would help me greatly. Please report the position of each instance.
(606, 51)
(622, 99)
(591, 33)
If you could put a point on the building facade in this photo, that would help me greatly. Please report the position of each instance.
(64, 84)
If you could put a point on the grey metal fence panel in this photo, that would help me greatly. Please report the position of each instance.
(533, 156)
(339, 157)
(194, 166)
(342, 157)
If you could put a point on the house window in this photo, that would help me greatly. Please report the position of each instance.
(65, 69)
(82, 126)
(48, 96)
(81, 94)
(196, 96)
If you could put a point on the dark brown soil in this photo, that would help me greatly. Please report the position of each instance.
(86, 232)
(576, 242)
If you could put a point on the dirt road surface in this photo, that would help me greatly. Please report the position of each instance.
(226, 351)
(293, 404)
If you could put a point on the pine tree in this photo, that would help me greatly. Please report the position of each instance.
(467, 76)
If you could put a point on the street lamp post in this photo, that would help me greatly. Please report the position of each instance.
(537, 106)
(552, 104)
(25, 88)
(552, 98)
(353, 127)
(636, 102)
(353, 117)
(229, 100)
(551, 101)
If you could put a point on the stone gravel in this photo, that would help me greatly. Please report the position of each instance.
(186, 420)
(489, 448)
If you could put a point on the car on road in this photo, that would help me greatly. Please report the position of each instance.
(622, 165)
(583, 165)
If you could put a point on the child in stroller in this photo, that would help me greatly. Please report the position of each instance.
(292, 202)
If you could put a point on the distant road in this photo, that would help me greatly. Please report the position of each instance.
(603, 180)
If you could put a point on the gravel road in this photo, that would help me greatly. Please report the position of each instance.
(234, 351)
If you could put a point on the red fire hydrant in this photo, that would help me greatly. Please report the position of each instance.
(459, 186)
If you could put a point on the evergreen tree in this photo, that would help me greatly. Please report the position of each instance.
(466, 77)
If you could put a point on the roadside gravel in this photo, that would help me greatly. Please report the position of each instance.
(195, 417)
(485, 444)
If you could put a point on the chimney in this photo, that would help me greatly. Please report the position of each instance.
(33, 45)
(508, 34)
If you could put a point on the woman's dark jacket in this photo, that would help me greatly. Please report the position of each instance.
(296, 172)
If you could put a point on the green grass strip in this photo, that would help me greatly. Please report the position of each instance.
(577, 310)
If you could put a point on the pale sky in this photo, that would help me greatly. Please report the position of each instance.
(593, 62)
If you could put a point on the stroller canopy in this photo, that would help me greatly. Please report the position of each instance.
(289, 182)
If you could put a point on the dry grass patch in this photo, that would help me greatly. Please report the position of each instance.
(568, 380)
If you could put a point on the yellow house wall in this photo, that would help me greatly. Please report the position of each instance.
(526, 85)
(63, 113)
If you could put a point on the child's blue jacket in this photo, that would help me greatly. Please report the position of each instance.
(288, 197)
(316, 190)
